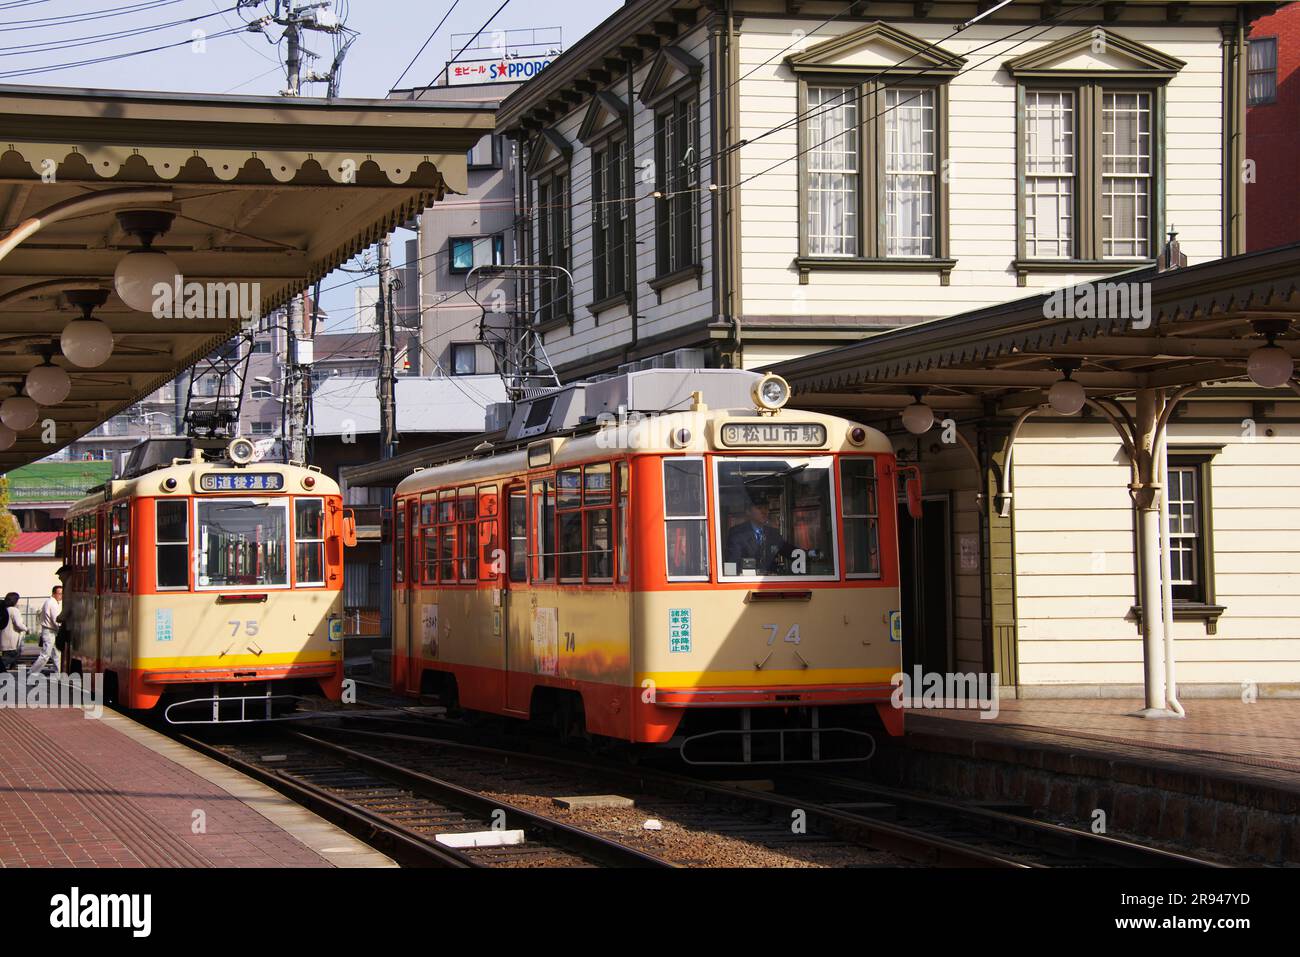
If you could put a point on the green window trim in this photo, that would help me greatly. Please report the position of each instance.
(871, 229)
(1203, 605)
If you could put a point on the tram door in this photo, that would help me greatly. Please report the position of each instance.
(925, 584)
(516, 518)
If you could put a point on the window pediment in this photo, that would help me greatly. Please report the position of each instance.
(606, 114)
(873, 49)
(549, 150)
(672, 71)
(1095, 52)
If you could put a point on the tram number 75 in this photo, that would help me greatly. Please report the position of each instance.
(249, 627)
(791, 636)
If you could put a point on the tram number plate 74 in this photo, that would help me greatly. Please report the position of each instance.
(249, 627)
(791, 636)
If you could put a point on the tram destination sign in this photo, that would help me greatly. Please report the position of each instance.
(773, 435)
(241, 482)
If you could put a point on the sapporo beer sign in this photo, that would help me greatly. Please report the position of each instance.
(773, 435)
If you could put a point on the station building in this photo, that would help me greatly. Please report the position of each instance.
(879, 205)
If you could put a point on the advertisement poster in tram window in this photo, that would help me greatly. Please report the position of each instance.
(546, 640)
(429, 629)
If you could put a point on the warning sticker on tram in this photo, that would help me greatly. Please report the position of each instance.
(241, 482)
(773, 435)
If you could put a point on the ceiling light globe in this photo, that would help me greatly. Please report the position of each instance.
(19, 412)
(86, 342)
(48, 384)
(1270, 367)
(138, 272)
(918, 418)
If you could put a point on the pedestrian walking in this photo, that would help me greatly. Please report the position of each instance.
(51, 617)
(11, 635)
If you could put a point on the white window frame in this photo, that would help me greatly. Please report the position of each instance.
(308, 541)
(704, 481)
(156, 544)
(1069, 238)
(843, 517)
(197, 551)
(833, 504)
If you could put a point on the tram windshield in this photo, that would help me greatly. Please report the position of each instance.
(775, 517)
(242, 542)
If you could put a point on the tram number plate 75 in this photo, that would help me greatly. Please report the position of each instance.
(792, 636)
(249, 627)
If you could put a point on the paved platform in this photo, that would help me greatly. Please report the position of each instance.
(1226, 777)
(108, 792)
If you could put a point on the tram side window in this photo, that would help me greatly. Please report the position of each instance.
(518, 535)
(447, 536)
(622, 522)
(543, 526)
(429, 540)
(467, 538)
(488, 535)
(119, 547)
(172, 529)
(861, 516)
(686, 520)
(569, 499)
(598, 500)
(309, 541)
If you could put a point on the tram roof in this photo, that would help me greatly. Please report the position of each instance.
(266, 190)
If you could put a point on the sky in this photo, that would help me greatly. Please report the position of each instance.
(57, 43)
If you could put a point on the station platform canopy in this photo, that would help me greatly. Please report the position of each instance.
(265, 192)
(1150, 328)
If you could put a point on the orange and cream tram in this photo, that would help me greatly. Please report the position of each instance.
(210, 587)
(662, 557)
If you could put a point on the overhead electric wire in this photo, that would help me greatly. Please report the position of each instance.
(66, 19)
(427, 41)
(49, 46)
(486, 24)
(31, 71)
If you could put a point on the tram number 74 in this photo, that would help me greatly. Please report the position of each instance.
(250, 627)
(791, 636)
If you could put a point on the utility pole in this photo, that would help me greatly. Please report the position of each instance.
(295, 434)
(297, 18)
(387, 369)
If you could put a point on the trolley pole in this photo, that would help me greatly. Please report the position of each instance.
(387, 371)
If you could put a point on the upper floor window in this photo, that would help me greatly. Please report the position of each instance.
(464, 358)
(609, 220)
(677, 211)
(605, 131)
(1261, 85)
(486, 153)
(470, 251)
(872, 142)
(1090, 134)
(554, 243)
(672, 91)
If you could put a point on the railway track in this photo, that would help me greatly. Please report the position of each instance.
(403, 811)
(920, 828)
(837, 834)
(1053, 844)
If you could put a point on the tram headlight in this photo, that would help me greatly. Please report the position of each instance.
(770, 392)
(241, 451)
(169, 484)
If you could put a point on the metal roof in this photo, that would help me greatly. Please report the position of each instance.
(265, 190)
(1200, 330)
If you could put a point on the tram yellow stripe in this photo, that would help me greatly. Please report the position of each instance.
(809, 676)
(238, 661)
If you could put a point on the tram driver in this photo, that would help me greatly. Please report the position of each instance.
(755, 544)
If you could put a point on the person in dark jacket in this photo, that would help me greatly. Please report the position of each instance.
(756, 544)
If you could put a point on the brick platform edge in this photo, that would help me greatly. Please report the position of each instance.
(1218, 812)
